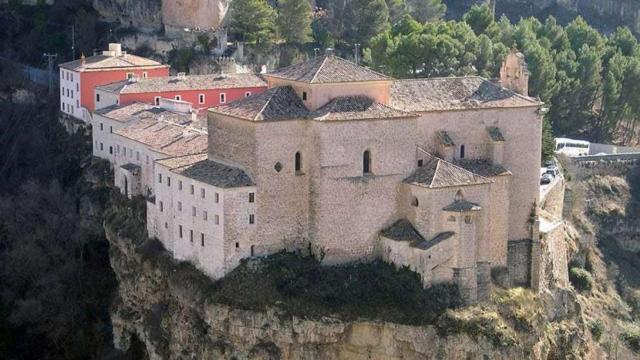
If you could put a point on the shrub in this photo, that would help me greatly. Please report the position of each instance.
(597, 328)
(631, 337)
(581, 279)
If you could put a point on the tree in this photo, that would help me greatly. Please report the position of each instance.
(367, 18)
(294, 21)
(480, 18)
(397, 9)
(252, 20)
(426, 10)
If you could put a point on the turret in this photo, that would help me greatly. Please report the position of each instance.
(514, 73)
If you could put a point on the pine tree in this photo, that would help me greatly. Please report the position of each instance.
(252, 20)
(294, 21)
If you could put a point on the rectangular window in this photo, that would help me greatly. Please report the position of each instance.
(192, 189)
(156, 100)
(223, 98)
(179, 206)
(125, 152)
(168, 181)
(193, 211)
(217, 198)
(178, 97)
(129, 76)
(98, 97)
(159, 175)
(252, 197)
(147, 159)
(77, 87)
(191, 235)
(179, 184)
(77, 103)
(101, 147)
(138, 155)
(216, 219)
(247, 93)
(117, 149)
(144, 74)
(202, 240)
(204, 215)
(304, 96)
(166, 225)
(252, 219)
(161, 206)
(71, 76)
(202, 193)
(420, 163)
(180, 231)
(201, 99)
(111, 129)
(111, 150)
(101, 126)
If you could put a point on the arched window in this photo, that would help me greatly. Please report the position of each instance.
(298, 162)
(366, 162)
(459, 195)
(414, 201)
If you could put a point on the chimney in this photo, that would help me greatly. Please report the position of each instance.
(115, 49)
(328, 51)
(194, 116)
(82, 59)
(181, 75)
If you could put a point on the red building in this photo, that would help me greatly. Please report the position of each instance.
(202, 91)
(79, 78)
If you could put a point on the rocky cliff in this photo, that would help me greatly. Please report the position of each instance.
(143, 14)
(167, 306)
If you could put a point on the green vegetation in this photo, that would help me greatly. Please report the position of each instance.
(596, 327)
(294, 21)
(478, 321)
(581, 279)
(298, 285)
(631, 337)
(252, 21)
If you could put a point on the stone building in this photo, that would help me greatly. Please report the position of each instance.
(436, 174)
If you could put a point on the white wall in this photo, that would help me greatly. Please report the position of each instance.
(70, 102)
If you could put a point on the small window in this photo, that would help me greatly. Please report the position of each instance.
(101, 126)
(414, 202)
(201, 99)
(77, 87)
(252, 219)
(178, 97)
(204, 215)
(191, 235)
(138, 159)
(98, 97)
(304, 96)
(192, 189)
(129, 76)
(202, 240)
(180, 231)
(179, 206)
(147, 159)
(77, 103)
(71, 74)
(247, 93)
(166, 225)
(277, 167)
(217, 198)
(216, 219)
(101, 147)
(223, 98)
(168, 181)
(179, 181)
(252, 197)
(253, 250)
(202, 193)
(451, 218)
(161, 206)
(117, 149)
(468, 219)
(298, 162)
(159, 175)
(420, 163)
(237, 245)
(461, 151)
(193, 211)
(144, 75)
(111, 150)
(366, 162)
(156, 100)
(111, 129)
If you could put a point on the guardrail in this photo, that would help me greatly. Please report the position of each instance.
(609, 157)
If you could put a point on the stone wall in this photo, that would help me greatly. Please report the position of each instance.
(519, 262)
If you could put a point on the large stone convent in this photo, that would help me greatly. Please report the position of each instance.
(439, 175)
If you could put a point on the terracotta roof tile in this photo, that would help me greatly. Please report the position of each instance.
(327, 69)
(454, 93)
(100, 62)
(437, 173)
(184, 83)
(165, 137)
(278, 103)
(356, 108)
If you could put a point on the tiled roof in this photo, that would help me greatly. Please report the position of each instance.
(356, 108)
(454, 93)
(131, 167)
(427, 244)
(437, 173)
(279, 103)
(462, 206)
(166, 137)
(482, 167)
(101, 62)
(199, 168)
(402, 230)
(444, 138)
(145, 111)
(327, 69)
(124, 113)
(495, 134)
(184, 83)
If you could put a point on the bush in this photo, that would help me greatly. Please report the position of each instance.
(581, 279)
(597, 328)
(631, 337)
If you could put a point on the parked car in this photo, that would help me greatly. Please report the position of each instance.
(546, 179)
(549, 163)
(553, 171)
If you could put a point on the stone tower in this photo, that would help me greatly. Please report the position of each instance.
(514, 73)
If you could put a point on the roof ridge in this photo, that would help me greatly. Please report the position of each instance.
(435, 172)
(324, 60)
(266, 103)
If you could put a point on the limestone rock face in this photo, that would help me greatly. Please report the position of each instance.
(203, 14)
(145, 14)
